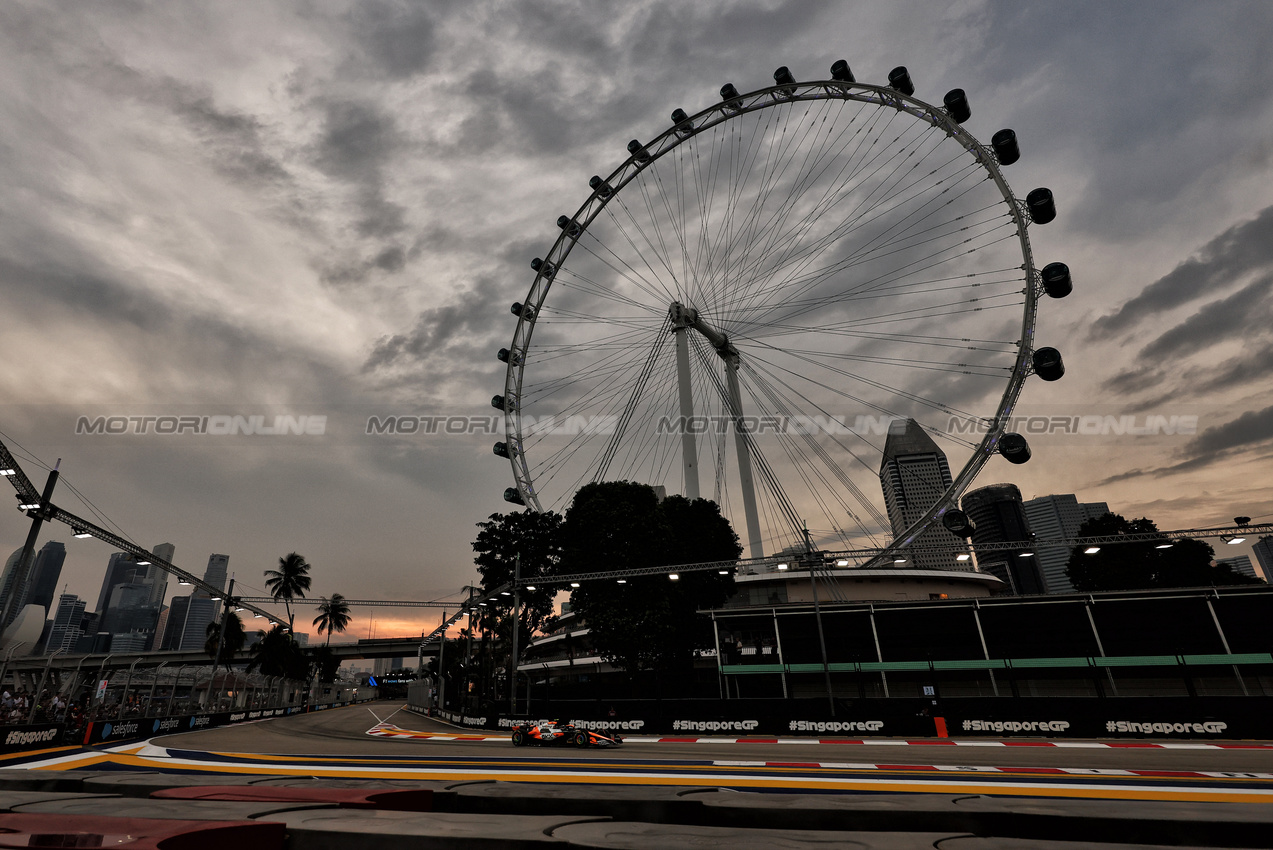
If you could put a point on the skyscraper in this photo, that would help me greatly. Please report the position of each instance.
(67, 624)
(999, 517)
(45, 574)
(175, 625)
(121, 569)
(202, 608)
(157, 577)
(1054, 518)
(1239, 564)
(1264, 554)
(914, 473)
(10, 574)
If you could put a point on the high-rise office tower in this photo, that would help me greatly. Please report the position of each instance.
(67, 624)
(157, 577)
(1239, 564)
(914, 473)
(218, 569)
(129, 610)
(121, 569)
(1264, 554)
(45, 574)
(175, 625)
(203, 609)
(1058, 517)
(999, 517)
(10, 574)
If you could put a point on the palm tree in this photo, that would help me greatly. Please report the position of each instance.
(288, 582)
(230, 644)
(333, 616)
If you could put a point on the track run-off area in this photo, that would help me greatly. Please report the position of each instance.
(384, 741)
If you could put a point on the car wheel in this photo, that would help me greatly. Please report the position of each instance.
(581, 739)
(519, 738)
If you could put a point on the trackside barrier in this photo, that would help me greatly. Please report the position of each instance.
(1197, 718)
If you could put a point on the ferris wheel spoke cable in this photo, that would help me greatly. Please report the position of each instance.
(626, 416)
(772, 234)
(938, 406)
(840, 473)
(784, 407)
(938, 257)
(798, 255)
(803, 278)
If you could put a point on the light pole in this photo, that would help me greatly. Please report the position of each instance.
(512, 665)
(216, 657)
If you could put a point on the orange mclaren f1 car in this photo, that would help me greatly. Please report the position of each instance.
(560, 734)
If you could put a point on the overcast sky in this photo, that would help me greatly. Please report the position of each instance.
(325, 209)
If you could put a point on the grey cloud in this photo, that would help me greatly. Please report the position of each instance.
(397, 38)
(1243, 315)
(358, 140)
(1252, 429)
(1245, 310)
(1239, 250)
(1141, 99)
(453, 332)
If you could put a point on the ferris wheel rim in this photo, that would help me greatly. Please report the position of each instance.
(680, 133)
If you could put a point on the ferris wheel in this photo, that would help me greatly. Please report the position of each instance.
(748, 305)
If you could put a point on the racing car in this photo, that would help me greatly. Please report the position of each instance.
(560, 734)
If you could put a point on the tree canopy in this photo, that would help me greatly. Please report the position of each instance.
(231, 644)
(276, 654)
(648, 622)
(1142, 565)
(536, 539)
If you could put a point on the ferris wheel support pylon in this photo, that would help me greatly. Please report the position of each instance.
(689, 451)
(683, 319)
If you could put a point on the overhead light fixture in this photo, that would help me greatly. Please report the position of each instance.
(963, 556)
(216, 599)
(258, 616)
(1233, 541)
(899, 560)
(1027, 554)
(1091, 550)
(674, 576)
(1163, 546)
(622, 581)
(273, 622)
(722, 572)
(842, 563)
(505, 593)
(183, 582)
(782, 566)
(7, 472)
(574, 584)
(143, 563)
(29, 507)
(481, 604)
(530, 587)
(80, 534)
